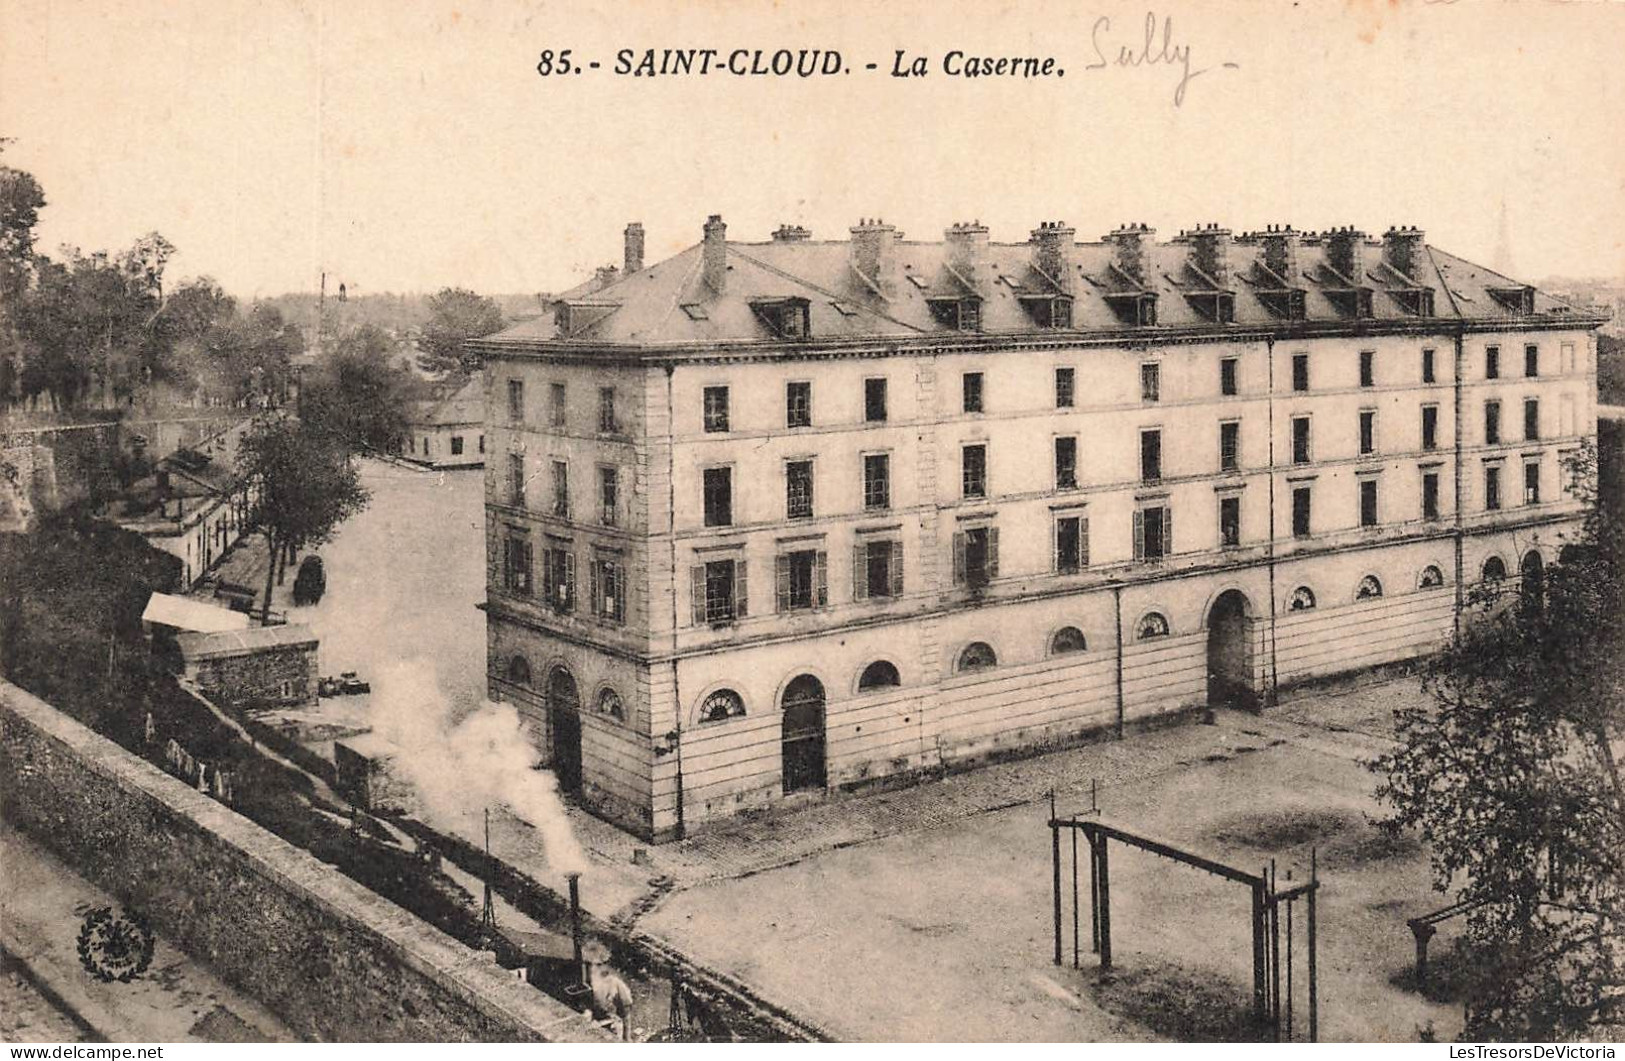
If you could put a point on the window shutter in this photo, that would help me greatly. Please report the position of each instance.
(1083, 541)
(696, 579)
(821, 578)
(741, 591)
(549, 590)
(1167, 530)
(992, 553)
(617, 593)
(897, 569)
(1139, 534)
(781, 573)
(594, 590)
(507, 564)
(959, 558)
(569, 581)
(860, 571)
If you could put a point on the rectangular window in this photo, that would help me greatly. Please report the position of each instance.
(719, 591)
(973, 470)
(1492, 487)
(802, 580)
(874, 401)
(1153, 532)
(798, 489)
(1430, 495)
(1531, 360)
(561, 489)
(1300, 372)
(1492, 362)
(555, 404)
(457, 445)
(976, 556)
(1430, 427)
(1300, 440)
(516, 401)
(1071, 544)
(516, 480)
(877, 569)
(1227, 376)
(1531, 483)
(1531, 419)
(1065, 381)
(1427, 367)
(1066, 463)
(1368, 432)
(1492, 423)
(1301, 502)
(1150, 382)
(1368, 368)
(876, 481)
(516, 566)
(716, 409)
(608, 589)
(1229, 445)
(1368, 502)
(719, 497)
(1570, 362)
(607, 423)
(798, 404)
(559, 578)
(1151, 455)
(1230, 521)
(971, 392)
(609, 489)
(482, 444)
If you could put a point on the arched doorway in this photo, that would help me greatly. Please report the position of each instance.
(803, 739)
(1533, 583)
(1229, 652)
(564, 728)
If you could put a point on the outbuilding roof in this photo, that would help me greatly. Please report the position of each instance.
(223, 643)
(184, 613)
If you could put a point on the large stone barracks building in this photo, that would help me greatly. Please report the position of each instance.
(768, 519)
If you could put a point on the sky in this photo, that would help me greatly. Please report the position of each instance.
(411, 145)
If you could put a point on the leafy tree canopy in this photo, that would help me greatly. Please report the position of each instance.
(455, 315)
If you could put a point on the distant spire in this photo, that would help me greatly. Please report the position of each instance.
(1503, 245)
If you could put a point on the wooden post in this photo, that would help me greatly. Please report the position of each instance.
(1260, 1009)
(1314, 997)
(1105, 907)
(1074, 831)
(1275, 956)
(1289, 908)
(1055, 861)
(1094, 893)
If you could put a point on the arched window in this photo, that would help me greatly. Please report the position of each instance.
(978, 655)
(1495, 569)
(720, 705)
(1430, 578)
(1068, 639)
(519, 670)
(1303, 599)
(1152, 624)
(1369, 587)
(879, 675)
(609, 703)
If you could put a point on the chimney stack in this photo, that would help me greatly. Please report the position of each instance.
(604, 275)
(967, 250)
(791, 234)
(633, 262)
(1052, 251)
(1345, 251)
(715, 267)
(1281, 251)
(873, 244)
(1128, 249)
(1210, 251)
(1402, 249)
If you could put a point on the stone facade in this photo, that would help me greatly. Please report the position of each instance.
(1101, 486)
(255, 669)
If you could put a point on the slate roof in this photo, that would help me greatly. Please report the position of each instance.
(183, 613)
(222, 643)
(669, 303)
(465, 405)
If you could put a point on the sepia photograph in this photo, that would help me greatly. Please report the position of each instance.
(769, 521)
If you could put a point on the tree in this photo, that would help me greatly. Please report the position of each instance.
(1511, 776)
(358, 395)
(307, 488)
(456, 315)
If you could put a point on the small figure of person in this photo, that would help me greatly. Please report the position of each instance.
(611, 997)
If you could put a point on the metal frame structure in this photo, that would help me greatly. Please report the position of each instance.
(1270, 905)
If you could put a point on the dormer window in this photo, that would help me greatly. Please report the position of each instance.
(1516, 299)
(1352, 301)
(1138, 308)
(1285, 303)
(961, 314)
(1049, 311)
(1217, 306)
(787, 317)
(1417, 301)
